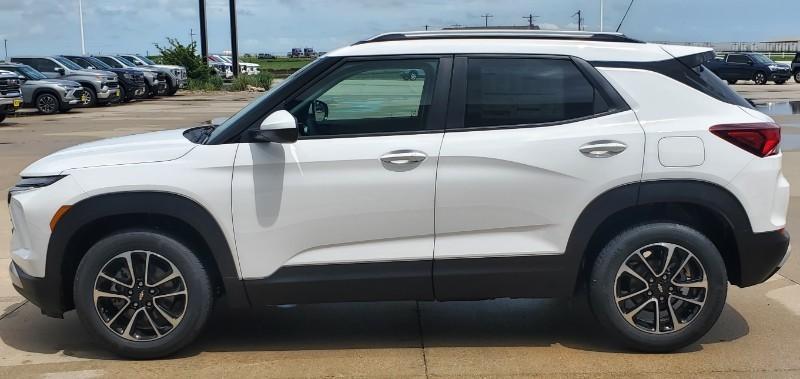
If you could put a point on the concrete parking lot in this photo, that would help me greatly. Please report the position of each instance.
(757, 335)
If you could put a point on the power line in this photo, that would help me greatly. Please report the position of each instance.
(486, 18)
(624, 16)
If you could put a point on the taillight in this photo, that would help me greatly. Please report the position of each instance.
(761, 139)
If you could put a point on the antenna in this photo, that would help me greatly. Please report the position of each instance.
(486, 18)
(626, 15)
(531, 18)
(580, 19)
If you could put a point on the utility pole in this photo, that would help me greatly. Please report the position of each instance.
(80, 12)
(531, 18)
(234, 41)
(203, 34)
(580, 19)
(486, 18)
(191, 35)
(426, 27)
(5, 44)
(602, 8)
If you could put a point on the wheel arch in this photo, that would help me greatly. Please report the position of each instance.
(92, 219)
(702, 205)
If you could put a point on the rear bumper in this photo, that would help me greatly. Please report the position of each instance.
(761, 255)
(38, 291)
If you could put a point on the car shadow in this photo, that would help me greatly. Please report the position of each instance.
(491, 323)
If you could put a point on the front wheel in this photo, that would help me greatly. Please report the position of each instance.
(47, 103)
(90, 97)
(143, 294)
(797, 76)
(760, 78)
(659, 286)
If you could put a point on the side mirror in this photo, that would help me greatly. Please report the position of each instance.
(90, 68)
(278, 127)
(60, 70)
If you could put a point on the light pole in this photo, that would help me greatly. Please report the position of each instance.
(5, 45)
(80, 11)
(601, 15)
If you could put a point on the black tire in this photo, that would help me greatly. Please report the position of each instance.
(47, 103)
(149, 91)
(797, 76)
(2, 117)
(197, 300)
(606, 282)
(760, 78)
(91, 96)
(780, 82)
(171, 88)
(732, 82)
(123, 95)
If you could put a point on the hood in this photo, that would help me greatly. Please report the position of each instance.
(69, 83)
(93, 73)
(141, 148)
(167, 66)
(125, 70)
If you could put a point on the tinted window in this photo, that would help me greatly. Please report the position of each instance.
(110, 62)
(368, 97)
(738, 58)
(527, 91)
(81, 62)
(43, 65)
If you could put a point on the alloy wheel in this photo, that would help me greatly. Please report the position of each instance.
(140, 295)
(88, 98)
(760, 78)
(47, 104)
(661, 288)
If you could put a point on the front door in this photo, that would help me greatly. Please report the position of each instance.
(535, 140)
(346, 213)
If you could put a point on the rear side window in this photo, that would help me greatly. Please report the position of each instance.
(525, 91)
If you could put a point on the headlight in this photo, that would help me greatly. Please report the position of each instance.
(30, 183)
(773, 67)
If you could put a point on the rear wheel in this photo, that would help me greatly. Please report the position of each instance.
(760, 78)
(143, 294)
(659, 286)
(797, 76)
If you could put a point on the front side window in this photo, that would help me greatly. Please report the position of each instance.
(524, 91)
(372, 97)
(81, 62)
(30, 73)
(738, 58)
(68, 63)
(43, 65)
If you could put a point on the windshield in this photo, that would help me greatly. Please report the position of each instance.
(98, 63)
(125, 61)
(255, 104)
(226, 59)
(68, 63)
(760, 58)
(146, 60)
(30, 73)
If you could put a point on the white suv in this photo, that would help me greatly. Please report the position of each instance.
(520, 164)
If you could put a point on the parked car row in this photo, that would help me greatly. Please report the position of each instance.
(757, 67)
(58, 83)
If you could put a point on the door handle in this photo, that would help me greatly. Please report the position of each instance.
(602, 149)
(403, 157)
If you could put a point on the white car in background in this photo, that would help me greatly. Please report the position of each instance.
(244, 67)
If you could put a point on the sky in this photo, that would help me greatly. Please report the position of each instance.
(275, 26)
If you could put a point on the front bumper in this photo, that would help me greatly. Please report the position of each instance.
(761, 255)
(108, 92)
(38, 291)
(780, 75)
(72, 96)
(9, 105)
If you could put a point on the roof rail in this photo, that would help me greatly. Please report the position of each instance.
(500, 34)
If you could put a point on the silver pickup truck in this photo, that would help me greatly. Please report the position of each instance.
(10, 95)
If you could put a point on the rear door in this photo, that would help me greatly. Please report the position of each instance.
(740, 67)
(530, 142)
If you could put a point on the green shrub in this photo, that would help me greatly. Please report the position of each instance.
(185, 55)
(240, 83)
(213, 83)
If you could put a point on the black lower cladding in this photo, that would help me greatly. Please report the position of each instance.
(455, 279)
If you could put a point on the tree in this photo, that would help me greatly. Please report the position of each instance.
(185, 55)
